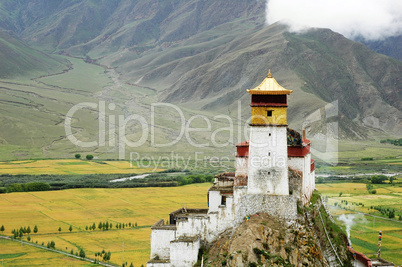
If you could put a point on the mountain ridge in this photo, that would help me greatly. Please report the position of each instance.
(202, 56)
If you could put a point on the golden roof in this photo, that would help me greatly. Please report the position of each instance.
(269, 86)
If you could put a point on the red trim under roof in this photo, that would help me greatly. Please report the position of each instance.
(299, 151)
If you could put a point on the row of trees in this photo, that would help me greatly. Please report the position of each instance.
(88, 157)
(103, 255)
(22, 230)
(395, 142)
(28, 187)
(194, 178)
(109, 226)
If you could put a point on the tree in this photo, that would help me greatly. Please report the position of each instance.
(28, 230)
(77, 156)
(89, 157)
(70, 228)
(107, 256)
(59, 229)
(100, 225)
(86, 227)
(72, 252)
(93, 226)
(378, 179)
(131, 265)
(29, 238)
(340, 194)
(82, 253)
(52, 244)
(35, 229)
(2, 228)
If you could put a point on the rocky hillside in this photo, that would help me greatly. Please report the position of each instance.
(267, 241)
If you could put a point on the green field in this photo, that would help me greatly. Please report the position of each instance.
(365, 228)
(83, 207)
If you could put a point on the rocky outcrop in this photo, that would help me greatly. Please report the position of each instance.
(267, 241)
(313, 239)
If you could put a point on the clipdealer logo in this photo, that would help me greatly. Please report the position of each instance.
(115, 128)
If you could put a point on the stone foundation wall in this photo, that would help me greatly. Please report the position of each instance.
(284, 207)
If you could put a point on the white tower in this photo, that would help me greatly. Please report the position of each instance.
(268, 155)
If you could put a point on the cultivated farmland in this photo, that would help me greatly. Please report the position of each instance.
(83, 207)
(356, 200)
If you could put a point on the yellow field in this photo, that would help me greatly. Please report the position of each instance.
(82, 207)
(364, 232)
(13, 254)
(69, 166)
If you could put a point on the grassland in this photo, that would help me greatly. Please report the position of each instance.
(70, 166)
(82, 207)
(365, 227)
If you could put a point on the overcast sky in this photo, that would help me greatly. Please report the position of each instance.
(372, 19)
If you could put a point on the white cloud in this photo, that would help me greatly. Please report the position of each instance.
(372, 19)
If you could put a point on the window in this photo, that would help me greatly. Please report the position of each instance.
(269, 154)
(269, 113)
(223, 201)
(269, 134)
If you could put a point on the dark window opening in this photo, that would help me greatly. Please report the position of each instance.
(269, 113)
(269, 134)
(223, 201)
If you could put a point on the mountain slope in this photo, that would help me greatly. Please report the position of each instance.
(108, 26)
(321, 66)
(391, 46)
(18, 59)
(199, 55)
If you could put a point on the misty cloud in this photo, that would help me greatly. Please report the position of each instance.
(370, 19)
